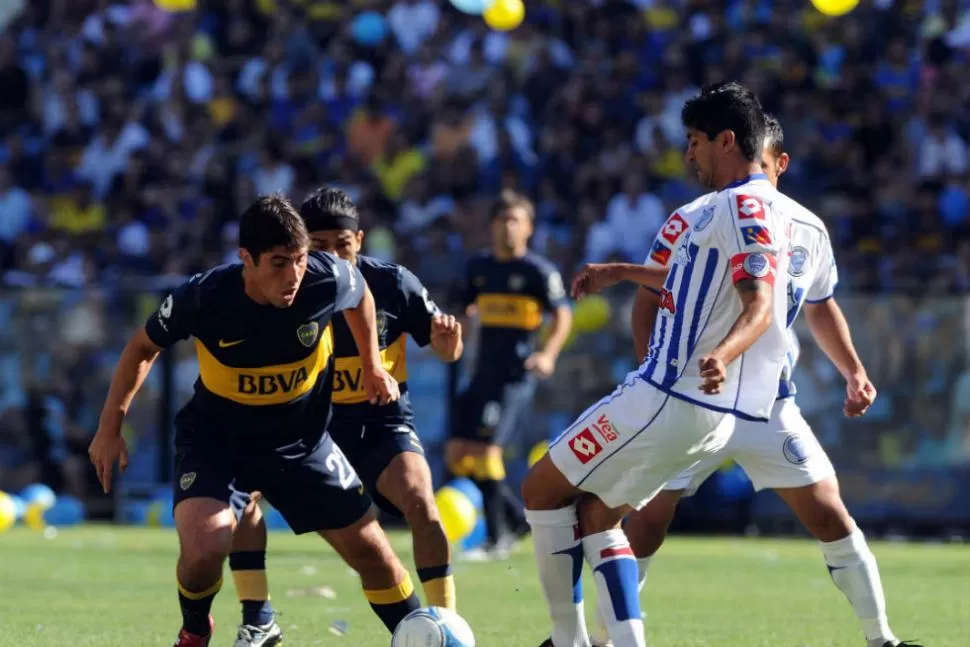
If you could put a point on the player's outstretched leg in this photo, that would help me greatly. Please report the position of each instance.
(406, 483)
(609, 555)
(551, 511)
(204, 528)
(247, 561)
(646, 530)
(387, 585)
(851, 564)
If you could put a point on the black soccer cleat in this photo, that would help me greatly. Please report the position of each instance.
(547, 643)
(902, 643)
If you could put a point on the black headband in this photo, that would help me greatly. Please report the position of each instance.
(328, 222)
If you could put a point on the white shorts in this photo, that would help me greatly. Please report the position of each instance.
(782, 453)
(627, 446)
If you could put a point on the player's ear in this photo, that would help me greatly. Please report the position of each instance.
(246, 258)
(360, 240)
(783, 161)
(726, 140)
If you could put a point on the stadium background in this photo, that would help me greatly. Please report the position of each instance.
(131, 137)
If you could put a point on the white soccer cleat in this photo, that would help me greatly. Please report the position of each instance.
(268, 635)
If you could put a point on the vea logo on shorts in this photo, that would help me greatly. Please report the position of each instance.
(604, 428)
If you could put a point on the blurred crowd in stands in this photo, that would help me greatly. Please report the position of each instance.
(130, 138)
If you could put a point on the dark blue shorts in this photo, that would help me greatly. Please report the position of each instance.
(314, 490)
(371, 445)
(491, 411)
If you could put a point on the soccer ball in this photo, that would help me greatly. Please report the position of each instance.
(433, 627)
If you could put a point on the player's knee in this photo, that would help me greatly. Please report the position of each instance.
(365, 547)
(545, 488)
(419, 509)
(205, 531)
(645, 536)
(821, 510)
(829, 521)
(207, 549)
(595, 516)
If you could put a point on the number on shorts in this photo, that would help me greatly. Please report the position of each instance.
(337, 462)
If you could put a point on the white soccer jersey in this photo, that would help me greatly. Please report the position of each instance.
(736, 235)
(812, 272)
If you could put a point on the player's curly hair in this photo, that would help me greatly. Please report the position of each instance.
(728, 106)
(774, 135)
(271, 221)
(329, 208)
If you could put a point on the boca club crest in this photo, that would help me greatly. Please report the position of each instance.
(308, 333)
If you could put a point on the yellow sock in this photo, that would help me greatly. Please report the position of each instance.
(392, 604)
(252, 587)
(439, 586)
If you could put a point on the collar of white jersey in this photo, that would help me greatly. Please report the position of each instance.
(755, 177)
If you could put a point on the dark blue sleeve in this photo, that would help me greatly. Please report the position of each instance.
(552, 291)
(176, 317)
(419, 309)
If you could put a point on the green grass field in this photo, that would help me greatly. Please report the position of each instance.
(111, 586)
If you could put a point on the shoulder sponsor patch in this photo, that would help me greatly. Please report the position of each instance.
(673, 228)
(660, 253)
(756, 235)
(749, 207)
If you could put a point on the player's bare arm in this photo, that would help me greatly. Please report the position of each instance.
(831, 332)
(133, 367)
(380, 386)
(446, 339)
(646, 305)
(596, 277)
(755, 318)
(543, 361)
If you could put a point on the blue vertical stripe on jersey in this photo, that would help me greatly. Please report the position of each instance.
(657, 340)
(709, 268)
(671, 372)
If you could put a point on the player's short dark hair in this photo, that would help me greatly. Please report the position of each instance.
(271, 221)
(328, 208)
(509, 199)
(728, 106)
(774, 135)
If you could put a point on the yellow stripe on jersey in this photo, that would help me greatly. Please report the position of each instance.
(519, 311)
(348, 388)
(265, 385)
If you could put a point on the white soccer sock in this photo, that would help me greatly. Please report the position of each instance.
(642, 564)
(559, 558)
(853, 569)
(602, 631)
(618, 600)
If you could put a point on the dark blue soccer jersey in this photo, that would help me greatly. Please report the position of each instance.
(264, 372)
(511, 298)
(403, 308)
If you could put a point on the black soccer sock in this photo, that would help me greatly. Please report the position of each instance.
(392, 604)
(494, 508)
(195, 608)
(252, 587)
